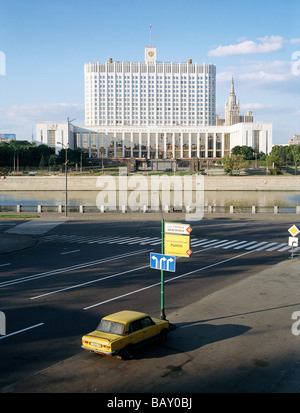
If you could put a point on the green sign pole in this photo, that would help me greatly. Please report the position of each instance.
(162, 294)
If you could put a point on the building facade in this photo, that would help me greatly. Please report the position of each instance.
(155, 142)
(150, 93)
(7, 137)
(153, 110)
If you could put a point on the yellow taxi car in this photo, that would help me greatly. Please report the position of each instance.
(119, 333)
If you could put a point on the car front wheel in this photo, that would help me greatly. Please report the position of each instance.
(163, 336)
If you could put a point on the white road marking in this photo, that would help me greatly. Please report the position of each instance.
(5, 265)
(235, 244)
(89, 282)
(71, 268)
(256, 245)
(266, 246)
(152, 241)
(245, 245)
(166, 281)
(21, 331)
(69, 252)
(285, 248)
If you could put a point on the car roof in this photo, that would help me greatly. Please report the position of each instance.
(125, 316)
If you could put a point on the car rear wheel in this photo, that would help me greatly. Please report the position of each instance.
(126, 353)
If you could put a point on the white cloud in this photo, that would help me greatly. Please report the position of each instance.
(295, 41)
(22, 119)
(267, 44)
(276, 76)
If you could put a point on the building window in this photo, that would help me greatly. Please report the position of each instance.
(256, 141)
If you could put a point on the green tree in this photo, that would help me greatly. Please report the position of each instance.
(234, 163)
(246, 151)
(295, 153)
(275, 162)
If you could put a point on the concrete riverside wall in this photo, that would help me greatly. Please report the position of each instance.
(91, 183)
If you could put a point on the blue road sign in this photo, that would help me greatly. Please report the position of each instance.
(162, 262)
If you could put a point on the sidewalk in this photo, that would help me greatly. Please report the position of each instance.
(236, 340)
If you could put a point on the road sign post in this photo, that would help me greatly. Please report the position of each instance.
(162, 291)
(175, 241)
(293, 240)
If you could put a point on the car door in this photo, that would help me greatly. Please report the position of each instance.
(136, 333)
(148, 327)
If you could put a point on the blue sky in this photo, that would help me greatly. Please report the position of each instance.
(44, 45)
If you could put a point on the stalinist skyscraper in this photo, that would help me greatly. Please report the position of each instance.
(232, 108)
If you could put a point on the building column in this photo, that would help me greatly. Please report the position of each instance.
(148, 145)
(90, 149)
(123, 144)
(215, 145)
(173, 144)
(222, 143)
(181, 145)
(140, 144)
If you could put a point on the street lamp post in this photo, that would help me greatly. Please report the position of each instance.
(66, 171)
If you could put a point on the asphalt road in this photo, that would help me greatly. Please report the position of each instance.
(79, 271)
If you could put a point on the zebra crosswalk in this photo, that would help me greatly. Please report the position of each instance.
(204, 243)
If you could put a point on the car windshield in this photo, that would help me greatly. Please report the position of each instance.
(111, 327)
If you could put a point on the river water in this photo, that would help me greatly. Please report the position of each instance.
(215, 198)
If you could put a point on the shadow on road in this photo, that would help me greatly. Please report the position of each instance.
(191, 336)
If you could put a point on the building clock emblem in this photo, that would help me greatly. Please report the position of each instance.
(151, 54)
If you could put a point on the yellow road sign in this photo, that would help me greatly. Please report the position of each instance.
(178, 245)
(294, 231)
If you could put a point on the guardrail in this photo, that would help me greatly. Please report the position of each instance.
(207, 209)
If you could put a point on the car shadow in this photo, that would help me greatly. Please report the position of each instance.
(187, 337)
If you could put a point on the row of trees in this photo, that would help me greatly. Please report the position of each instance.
(280, 156)
(23, 154)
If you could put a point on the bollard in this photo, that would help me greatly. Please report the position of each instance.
(39, 208)
(297, 209)
(123, 209)
(231, 211)
(59, 209)
(18, 208)
(81, 209)
(102, 210)
(145, 208)
(166, 209)
(253, 209)
(276, 209)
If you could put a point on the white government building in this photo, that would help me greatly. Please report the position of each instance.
(155, 110)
